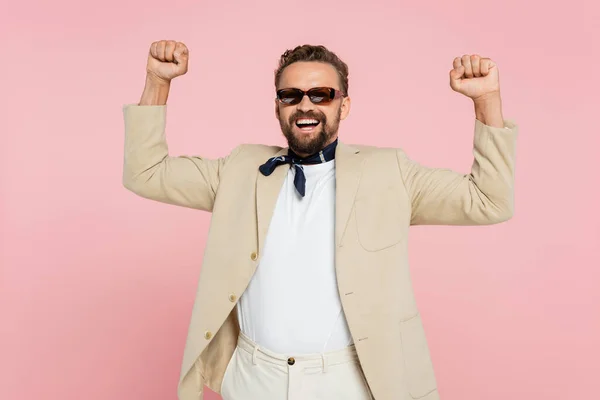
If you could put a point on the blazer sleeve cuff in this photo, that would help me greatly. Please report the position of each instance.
(509, 124)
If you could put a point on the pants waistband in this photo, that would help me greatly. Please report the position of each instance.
(323, 360)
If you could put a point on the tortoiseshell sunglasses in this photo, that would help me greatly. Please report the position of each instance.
(318, 95)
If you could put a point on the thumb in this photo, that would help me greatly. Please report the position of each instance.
(180, 54)
(456, 75)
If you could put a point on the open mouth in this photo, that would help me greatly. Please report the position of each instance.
(307, 124)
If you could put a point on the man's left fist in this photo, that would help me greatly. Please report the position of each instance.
(474, 76)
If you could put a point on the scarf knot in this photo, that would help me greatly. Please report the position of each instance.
(297, 162)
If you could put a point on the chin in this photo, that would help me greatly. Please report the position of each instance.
(306, 138)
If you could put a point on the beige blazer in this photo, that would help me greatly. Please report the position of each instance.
(380, 192)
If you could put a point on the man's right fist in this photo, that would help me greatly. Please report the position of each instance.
(167, 59)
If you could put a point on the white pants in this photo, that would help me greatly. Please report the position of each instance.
(258, 374)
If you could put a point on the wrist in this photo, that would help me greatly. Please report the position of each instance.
(155, 81)
(156, 91)
(490, 97)
(488, 109)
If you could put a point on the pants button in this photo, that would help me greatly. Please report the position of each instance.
(291, 361)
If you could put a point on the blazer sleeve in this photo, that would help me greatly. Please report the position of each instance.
(483, 197)
(150, 172)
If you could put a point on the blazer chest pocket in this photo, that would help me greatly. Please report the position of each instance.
(420, 376)
(381, 220)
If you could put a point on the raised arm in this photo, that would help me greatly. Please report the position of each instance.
(485, 195)
(148, 169)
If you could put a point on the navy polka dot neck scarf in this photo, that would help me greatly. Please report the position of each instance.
(325, 155)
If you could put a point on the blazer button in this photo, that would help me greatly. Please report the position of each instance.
(232, 298)
(253, 256)
(291, 361)
(207, 335)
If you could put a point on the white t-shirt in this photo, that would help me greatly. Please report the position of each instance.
(292, 305)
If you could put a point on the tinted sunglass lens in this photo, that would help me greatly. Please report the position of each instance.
(290, 96)
(320, 95)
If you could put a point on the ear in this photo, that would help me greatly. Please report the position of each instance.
(346, 103)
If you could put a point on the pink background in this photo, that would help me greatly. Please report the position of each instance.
(97, 284)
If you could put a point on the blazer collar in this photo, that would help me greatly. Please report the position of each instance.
(348, 165)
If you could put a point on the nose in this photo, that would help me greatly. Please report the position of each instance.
(305, 104)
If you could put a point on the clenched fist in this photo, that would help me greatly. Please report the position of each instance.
(474, 76)
(167, 59)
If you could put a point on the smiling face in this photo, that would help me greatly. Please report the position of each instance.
(321, 122)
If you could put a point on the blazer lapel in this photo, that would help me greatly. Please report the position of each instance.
(348, 165)
(267, 192)
(348, 168)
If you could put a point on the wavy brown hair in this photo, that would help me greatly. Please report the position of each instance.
(314, 53)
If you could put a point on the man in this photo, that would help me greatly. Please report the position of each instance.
(305, 290)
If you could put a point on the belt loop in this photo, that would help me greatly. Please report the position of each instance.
(254, 355)
(324, 362)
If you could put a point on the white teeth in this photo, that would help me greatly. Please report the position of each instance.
(307, 121)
